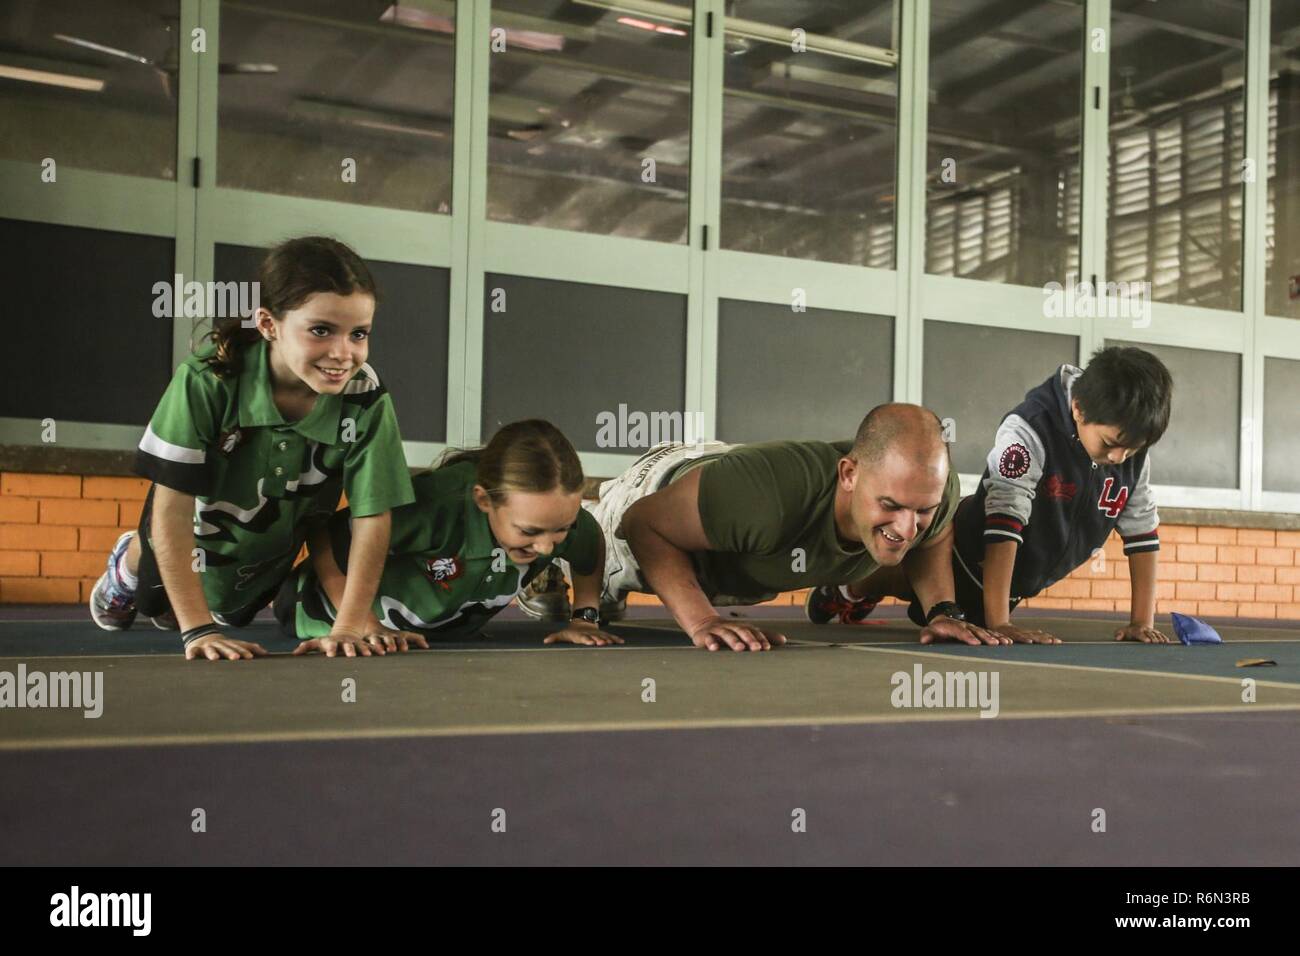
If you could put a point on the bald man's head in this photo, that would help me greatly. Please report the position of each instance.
(910, 430)
(892, 483)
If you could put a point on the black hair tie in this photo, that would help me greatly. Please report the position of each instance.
(203, 630)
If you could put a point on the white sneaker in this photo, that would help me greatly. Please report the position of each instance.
(111, 607)
(547, 597)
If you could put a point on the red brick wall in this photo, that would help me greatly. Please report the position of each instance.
(56, 530)
(1225, 572)
(1208, 572)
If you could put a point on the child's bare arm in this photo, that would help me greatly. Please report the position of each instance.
(1138, 526)
(586, 593)
(586, 587)
(365, 566)
(999, 564)
(1142, 608)
(172, 534)
(321, 553)
(356, 629)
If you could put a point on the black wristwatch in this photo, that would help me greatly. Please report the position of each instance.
(589, 614)
(946, 609)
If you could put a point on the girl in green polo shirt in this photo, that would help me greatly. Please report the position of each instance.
(251, 444)
(484, 523)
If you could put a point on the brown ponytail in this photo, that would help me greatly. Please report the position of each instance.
(290, 273)
(530, 456)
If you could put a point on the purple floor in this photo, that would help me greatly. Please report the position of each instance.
(1187, 790)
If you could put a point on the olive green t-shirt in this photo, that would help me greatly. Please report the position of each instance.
(768, 510)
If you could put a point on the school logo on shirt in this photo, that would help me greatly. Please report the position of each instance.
(1014, 462)
(1112, 506)
(1057, 489)
(230, 440)
(442, 570)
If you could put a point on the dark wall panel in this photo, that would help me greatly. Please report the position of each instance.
(976, 374)
(800, 375)
(83, 342)
(568, 352)
(1281, 425)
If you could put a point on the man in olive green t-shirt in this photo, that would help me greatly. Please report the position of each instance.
(716, 525)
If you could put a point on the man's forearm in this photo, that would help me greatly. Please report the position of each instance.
(670, 574)
(172, 528)
(370, 536)
(1142, 577)
(929, 571)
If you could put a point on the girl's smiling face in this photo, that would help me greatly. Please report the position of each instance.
(320, 344)
(528, 524)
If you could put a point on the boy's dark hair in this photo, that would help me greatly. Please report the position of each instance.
(1129, 388)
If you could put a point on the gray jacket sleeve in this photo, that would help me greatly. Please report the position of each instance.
(1139, 520)
(1015, 467)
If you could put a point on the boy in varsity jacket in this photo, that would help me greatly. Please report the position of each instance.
(1069, 465)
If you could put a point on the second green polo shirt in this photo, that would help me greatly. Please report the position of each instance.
(445, 572)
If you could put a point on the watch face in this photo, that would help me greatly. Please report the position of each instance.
(588, 614)
(947, 609)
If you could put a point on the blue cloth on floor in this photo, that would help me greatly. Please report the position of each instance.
(1191, 630)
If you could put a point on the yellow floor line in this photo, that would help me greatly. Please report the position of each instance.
(986, 661)
(470, 730)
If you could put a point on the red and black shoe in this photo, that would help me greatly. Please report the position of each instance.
(828, 605)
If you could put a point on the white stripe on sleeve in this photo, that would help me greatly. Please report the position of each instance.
(151, 444)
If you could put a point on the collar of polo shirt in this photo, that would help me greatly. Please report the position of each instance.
(257, 405)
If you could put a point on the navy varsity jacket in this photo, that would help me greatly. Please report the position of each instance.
(1042, 490)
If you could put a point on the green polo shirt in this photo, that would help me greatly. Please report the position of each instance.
(445, 572)
(258, 480)
(768, 510)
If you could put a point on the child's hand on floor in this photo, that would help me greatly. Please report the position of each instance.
(346, 640)
(364, 642)
(213, 647)
(1140, 632)
(1020, 635)
(583, 632)
(378, 635)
